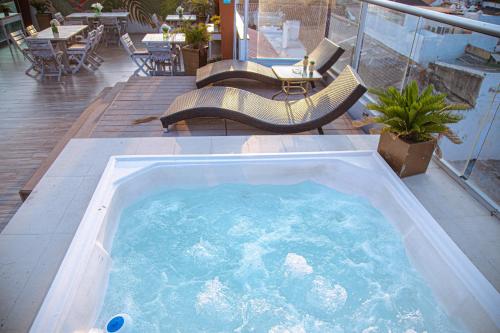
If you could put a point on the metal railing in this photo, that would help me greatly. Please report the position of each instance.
(469, 24)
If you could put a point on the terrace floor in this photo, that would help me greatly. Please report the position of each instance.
(35, 115)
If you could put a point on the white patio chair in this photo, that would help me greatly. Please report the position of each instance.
(162, 57)
(46, 58)
(79, 53)
(19, 40)
(59, 17)
(31, 30)
(93, 56)
(112, 29)
(97, 43)
(122, 20)
(138, 56)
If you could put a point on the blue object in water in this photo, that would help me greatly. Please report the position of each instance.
(115, 324)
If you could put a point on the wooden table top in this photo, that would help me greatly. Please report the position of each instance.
(177, 38)
(177, 18)
(295, 73)
(65, 32)
(103, 14)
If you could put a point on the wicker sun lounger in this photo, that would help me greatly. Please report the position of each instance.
(325, 55)
(275, 116)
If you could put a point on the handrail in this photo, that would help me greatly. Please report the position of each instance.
(462, 22)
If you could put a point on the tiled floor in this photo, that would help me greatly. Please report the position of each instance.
(34, 243)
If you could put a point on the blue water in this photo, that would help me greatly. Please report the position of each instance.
(244, 258)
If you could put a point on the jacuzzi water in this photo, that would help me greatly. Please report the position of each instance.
(265, 258)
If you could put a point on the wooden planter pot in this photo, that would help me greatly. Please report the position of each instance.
(193, 59)
(43, 20)
(406, 159)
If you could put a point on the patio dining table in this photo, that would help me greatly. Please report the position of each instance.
(175, 38)
(86, 15)
(66, 33)
(155, 40)
(176, 19)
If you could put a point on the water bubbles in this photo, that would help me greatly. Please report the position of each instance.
(214, 300)
(295, 258)
(325, 296)
(287, 329)
(251, 263)
(203, 250)
(296, 265)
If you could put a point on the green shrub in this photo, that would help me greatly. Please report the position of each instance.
(196, 35)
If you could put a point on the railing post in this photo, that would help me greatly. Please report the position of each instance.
(412, 54)
(245, 29)
(328, 18)
(361, 33)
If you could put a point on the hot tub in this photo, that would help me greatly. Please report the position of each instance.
(313, 294)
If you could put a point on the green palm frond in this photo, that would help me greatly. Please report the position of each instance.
(413, 115)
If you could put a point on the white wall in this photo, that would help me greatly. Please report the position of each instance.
(475, 120)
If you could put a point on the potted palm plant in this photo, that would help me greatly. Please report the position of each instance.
(43, 17)
(194, 52)
(411, 124)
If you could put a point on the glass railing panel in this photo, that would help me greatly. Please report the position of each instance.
(343, 29)
(485, 166)
(284, 29)
(461, 64)
(388, 40)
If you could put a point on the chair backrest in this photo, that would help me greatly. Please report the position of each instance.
(91, 39)
(19, 39)
(160, 52)
(40, 48)
(58, 16)
(156, 21)
(128, 45)
(72, 21)
(325, 55)
(100, 32)
(334, 99)
(31, 30)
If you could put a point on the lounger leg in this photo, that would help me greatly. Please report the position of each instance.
(320, 131)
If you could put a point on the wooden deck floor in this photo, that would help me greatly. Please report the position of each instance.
(35, 115)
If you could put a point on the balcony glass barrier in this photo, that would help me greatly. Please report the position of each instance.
(284, 29)
(388, 40)
(485, 166)
(391, 44)
(343, 29)
(461, 63)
